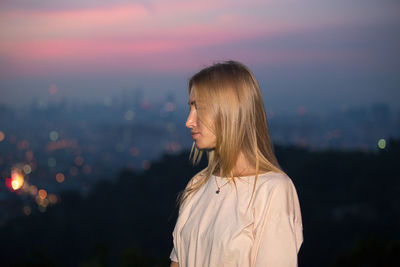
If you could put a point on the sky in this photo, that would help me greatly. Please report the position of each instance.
(312, 53)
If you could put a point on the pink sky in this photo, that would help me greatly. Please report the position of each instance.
(147, 36)
(56, 38)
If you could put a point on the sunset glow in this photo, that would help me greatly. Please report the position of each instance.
(56, 41)
(144, 32)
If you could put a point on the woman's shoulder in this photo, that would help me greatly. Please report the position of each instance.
(270, 182)
(274, 179)
(278, 190)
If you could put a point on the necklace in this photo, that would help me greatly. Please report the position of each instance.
(219, 187)
(229, 179)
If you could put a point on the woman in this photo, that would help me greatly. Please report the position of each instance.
(242, 209)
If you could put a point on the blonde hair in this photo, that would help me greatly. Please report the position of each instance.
(229, 95)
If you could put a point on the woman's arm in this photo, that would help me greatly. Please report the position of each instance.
(278, 227)
(174, 264)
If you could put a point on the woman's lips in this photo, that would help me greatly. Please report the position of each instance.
(194, 134)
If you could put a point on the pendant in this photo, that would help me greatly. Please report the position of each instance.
(217, 192)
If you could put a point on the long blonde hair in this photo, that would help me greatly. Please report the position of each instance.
(229, 95)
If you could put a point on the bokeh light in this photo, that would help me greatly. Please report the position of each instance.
(79, 160)
(146, 164)
(169, 107)
(16, 184)
(25, 187)
(134, 151)
(51, 162)
(2, 136)
(29, 155)
(33, 190)
(22, 145)
(52, 199)
(27, 169)
(60, 178)
(73, 171)
(27, 210)
(53, 135)
(17, 180)
(129, 115)
(86, 169)
(173, 147)
(382, 143)
(42, 194)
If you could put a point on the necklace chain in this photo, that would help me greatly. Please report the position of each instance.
(229, 179)
(219, 187)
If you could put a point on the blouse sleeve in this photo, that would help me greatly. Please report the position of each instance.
(278, 229)
(173, 256)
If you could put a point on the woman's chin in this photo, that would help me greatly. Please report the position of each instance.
(203, 146)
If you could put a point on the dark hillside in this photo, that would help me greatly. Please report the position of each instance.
(350, 205)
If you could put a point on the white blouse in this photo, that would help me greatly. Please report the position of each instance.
(223, 230)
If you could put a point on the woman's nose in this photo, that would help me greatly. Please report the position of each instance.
(191, 120)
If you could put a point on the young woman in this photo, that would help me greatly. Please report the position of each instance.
(242, 209)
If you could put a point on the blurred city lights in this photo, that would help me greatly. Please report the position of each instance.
(16, 184)
(60, 178)
(382, 143)
(51, 162)
(25, 187)
(169, 107)
(42, 194)
(22, 145)
(33, 190)
(27, 169)
(8, 183)
(53, 135)
(86, 169)
(29, 155)
(53, 199)
(2, 136)
(146, 164)
(134, 151)
(79, 160)
(27, 210)
(17, 180)
(173, 147)
(61, 144)
(129, 114)
(73, 171)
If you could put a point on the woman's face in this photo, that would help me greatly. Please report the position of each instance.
(201, 134)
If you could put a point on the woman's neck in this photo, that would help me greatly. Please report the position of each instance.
(242, 167)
